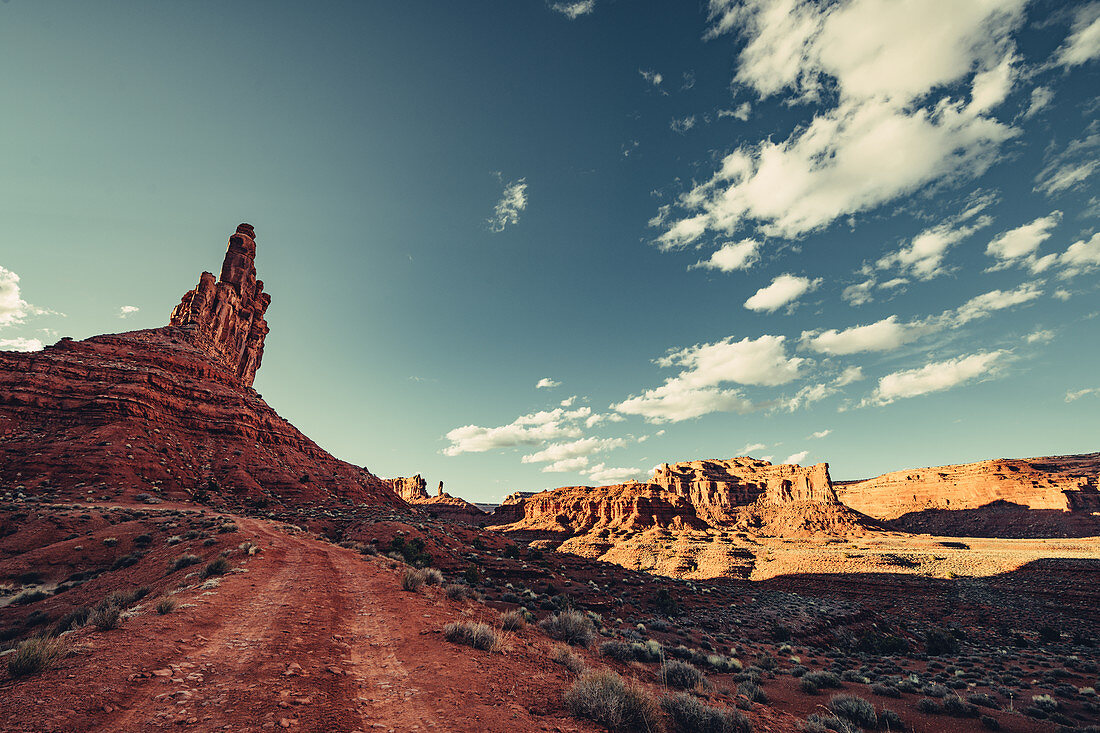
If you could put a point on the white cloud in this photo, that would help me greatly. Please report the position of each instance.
(923, 257)
(732, 256)
(982, 305)
(601, 474)
(1039, 337)
(682, 124)
(849, 375)
(1062, 294)
(512, 203)
(1070, 168)
(885, 335)
(20, 344)
(860, 293)
(1073, 396)
(546, 383)
(675, 401)
(127, 310)
(1040, 100)
(742, 112)
(808, 395)
(576, 9)
(1019, 245)
(574, 449)
(934, 377)
(892, 130)
(568, 401)
(819, 434)
(796, 458)
(531, 429)
(566, 465)
(13, 309)
(752, 448)
(1083, 44)
(1081, 256)
(783, 290)
(652, 77)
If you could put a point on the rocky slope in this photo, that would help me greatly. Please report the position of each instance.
(1061, 483)
(168, 412)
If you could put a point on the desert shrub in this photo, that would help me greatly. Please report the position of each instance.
(689, 714)
(572, 627)
(651, 651)
(752, 691)
(817, 723)
(106, 616)
(675, 673)
(166, 605)
(513, 620)
(720, 663)
(984, 700)
(475, 634)
(928, 706)
(956, 707)
(665, 603)
(183, 561)
(143, 539)
(432, 576)
(886, 644)
(564, 656)
(780, 633)
(125, 598)
(618, 650)
(472, 575)
(890, 721)
(854, 709)
(455, 592)
(821, 679)
(1044, 702)
(938, 642)
(412, 580)
(885, 690)
(604, 697)
(680, 652)
(989, 722)
(72, 620)
(217, 566)
(126, 561)
(35, 655)
(28, 597)
(411, 551)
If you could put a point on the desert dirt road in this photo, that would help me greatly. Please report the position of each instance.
(307, 636)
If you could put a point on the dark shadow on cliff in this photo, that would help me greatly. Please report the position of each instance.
(1000, 519)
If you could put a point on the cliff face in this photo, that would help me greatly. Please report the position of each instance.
(168, 411)
(226, 318)
(1065, 483)
(718, 488)
(413, 489)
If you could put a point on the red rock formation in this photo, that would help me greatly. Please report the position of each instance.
(1066, 483)
(226, 317)
(413, 489)
(167, 411)
(717, 488)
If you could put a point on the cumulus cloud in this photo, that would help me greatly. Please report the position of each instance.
(982, 305)
(1040, 100)
(1081, 256)
(566, 465)
(796, 458)
(1019, 245)
(1083, 44)
(511, 204)
(934, 377)
(784, 290)
(1070, 168)
(806, 396)
(574, 449)
(741, 112)
(13, 309)
(546, 383)
(603, 475)
(752, 448)
(732, 256)
(819, 434)
(849, 375)
(885, 335)
(531, 429)
(652, 77)
(682, 124)
(695, 391)
(20, 344)
(576, 9)
(127, 310)
(923, 257)
(1041, 336)
(892, 129)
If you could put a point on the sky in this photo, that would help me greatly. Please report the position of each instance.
(517, 244)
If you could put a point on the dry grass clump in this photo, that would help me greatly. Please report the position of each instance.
(106, 616)
(183, 561)
(432, 576)
(412, 580)
(604, 697)
(218, 566)
(456, 592)
(572, 627)
(475, 634)
(513, 620)
(35, 655)
(689, 714)
(855, 710)
(680, 674)
(564, 656)
(165, 606)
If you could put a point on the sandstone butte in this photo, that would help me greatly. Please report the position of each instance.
(413, 489)
(169, 412)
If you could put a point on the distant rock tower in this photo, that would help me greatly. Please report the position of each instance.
(226, 317)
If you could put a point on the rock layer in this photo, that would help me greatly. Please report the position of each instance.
(1065, 483)
(168, 411)
(413, 489)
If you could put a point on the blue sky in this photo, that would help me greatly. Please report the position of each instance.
(862, 232)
